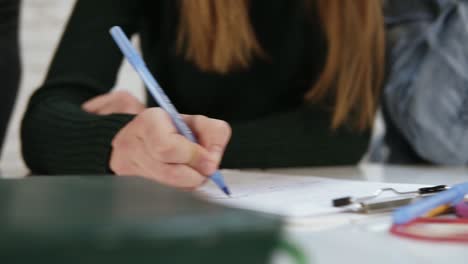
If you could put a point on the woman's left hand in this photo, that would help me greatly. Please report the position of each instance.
(118, 102)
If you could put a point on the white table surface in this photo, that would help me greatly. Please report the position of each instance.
(331, 240)
(392, 174)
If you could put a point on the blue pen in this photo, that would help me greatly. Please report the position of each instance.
(410, 212)
(158, 94)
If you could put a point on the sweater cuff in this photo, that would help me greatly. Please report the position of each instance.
(81, 145)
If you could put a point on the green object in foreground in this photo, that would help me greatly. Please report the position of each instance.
(293, 251)
(124, 220)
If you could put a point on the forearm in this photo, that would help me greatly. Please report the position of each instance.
(60, 138)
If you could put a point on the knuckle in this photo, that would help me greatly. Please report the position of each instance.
(222, 126)
(200, 119)
(167, 151)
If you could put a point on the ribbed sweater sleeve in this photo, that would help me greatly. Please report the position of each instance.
(299, 137)
(58, 137)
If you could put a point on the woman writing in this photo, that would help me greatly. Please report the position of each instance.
(261, 83)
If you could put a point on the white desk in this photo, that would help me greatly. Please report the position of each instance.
(393, 174)
(368, 240)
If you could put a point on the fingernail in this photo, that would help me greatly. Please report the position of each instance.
(216, 152)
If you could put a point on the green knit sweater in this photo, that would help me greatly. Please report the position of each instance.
(272, 126)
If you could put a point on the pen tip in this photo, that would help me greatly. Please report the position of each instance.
(226, 191)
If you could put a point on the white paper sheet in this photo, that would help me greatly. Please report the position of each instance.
(290, 195)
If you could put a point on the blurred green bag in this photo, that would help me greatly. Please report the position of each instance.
(124, 220)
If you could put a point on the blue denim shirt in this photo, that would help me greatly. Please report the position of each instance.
(425, 98)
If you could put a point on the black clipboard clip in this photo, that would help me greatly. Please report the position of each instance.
(375, 202)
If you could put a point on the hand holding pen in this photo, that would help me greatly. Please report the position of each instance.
(159, 143)
(150, 146)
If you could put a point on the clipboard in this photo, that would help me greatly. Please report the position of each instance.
(378, 202)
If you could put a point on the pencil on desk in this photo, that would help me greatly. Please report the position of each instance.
(439, 210)
(410, 212)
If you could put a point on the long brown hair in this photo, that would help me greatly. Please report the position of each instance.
(217, 36)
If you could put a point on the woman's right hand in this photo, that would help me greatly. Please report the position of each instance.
(150, 146)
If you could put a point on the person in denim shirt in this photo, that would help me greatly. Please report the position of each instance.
(425, 98)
